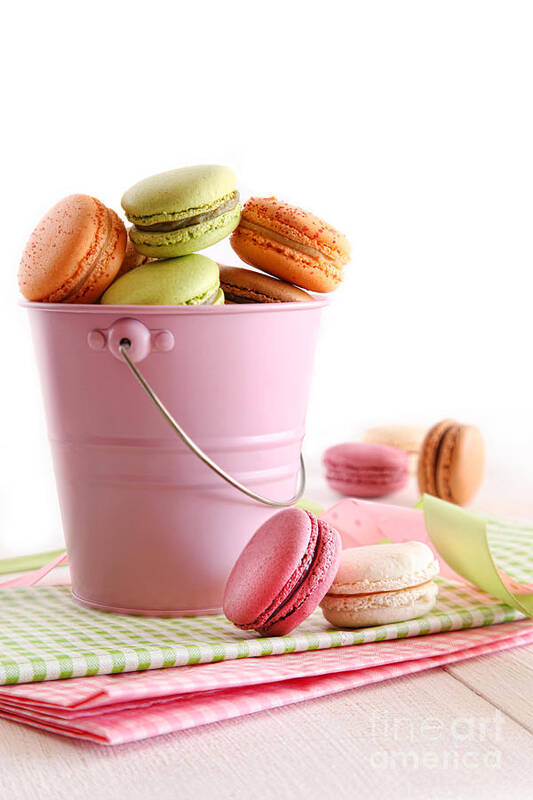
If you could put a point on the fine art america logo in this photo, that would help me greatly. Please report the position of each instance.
(469, 743)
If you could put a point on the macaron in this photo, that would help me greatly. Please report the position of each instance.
(382, 583)
(291, 244)
(74, 252)
(179, 212)
(357, 469)
(190, 280)
(404, 437)
(451, 462)
(248, 286)
(283, 573)
(132, 259)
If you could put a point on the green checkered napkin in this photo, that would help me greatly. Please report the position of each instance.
(45, 635)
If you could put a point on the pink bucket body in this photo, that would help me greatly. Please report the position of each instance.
(149, 528)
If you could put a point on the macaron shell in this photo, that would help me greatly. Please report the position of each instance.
(428, 456)
(380, 609)
(359, 469)
(268, 567)
(309, 594)
(74, 253)
(460, 464)
(248, 286)
(384, 568)
(178, 194)
(178, 281)
(313, 273)
(170, 244)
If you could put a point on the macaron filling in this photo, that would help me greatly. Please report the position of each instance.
(207, 299)
(193, 216)
(377, 592)
(87, 272)
(283, 240)
(396, 598)
(371, 475)
(240, 294)
(156, 243)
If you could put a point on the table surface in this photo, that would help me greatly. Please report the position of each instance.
(451, 732)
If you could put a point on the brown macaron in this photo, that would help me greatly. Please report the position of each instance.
(247, 286)
(132, 259)
(451, 462)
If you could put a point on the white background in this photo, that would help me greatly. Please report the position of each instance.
(407, 125)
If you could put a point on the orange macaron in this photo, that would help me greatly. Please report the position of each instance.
(74, 253)
(291, 244)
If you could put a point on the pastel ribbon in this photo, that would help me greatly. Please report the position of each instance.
(360, 522)
(461, 539)
(33, 577)
(458, 538)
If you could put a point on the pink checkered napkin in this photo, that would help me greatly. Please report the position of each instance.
(80, 694)
(189, 711)
(123, 708)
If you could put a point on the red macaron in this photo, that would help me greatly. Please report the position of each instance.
(357, 469)
(283, 573)
(74, 253)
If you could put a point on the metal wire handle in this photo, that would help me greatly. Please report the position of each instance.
(123, 347)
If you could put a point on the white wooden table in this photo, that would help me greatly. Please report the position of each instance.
(454, 732)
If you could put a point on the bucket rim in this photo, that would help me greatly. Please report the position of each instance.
(242, 308)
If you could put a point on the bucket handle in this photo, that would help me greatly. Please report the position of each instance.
(123, 347)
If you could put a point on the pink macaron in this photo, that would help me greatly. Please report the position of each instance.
(358, 469)
(283, 573)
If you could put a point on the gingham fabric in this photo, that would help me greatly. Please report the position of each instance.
(511, 546)
(96, 709)
(78, 695)
(45, 635)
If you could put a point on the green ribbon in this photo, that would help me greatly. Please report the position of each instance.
(27, 563)
(461, 539)
(309, 505)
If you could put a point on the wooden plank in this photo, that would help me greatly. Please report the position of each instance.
(503, 679)
(417, 737)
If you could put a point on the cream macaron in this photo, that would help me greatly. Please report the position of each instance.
(382, 583)
(403, 437)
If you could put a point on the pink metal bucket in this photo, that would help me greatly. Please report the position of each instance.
(150, 528)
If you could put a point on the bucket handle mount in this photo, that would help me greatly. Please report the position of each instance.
(123, 347)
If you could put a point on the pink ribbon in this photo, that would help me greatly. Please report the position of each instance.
(33, 577)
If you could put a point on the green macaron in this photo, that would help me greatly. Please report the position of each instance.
(188, 281)
(182, 211)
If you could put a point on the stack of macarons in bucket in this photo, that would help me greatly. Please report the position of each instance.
(81, 252)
